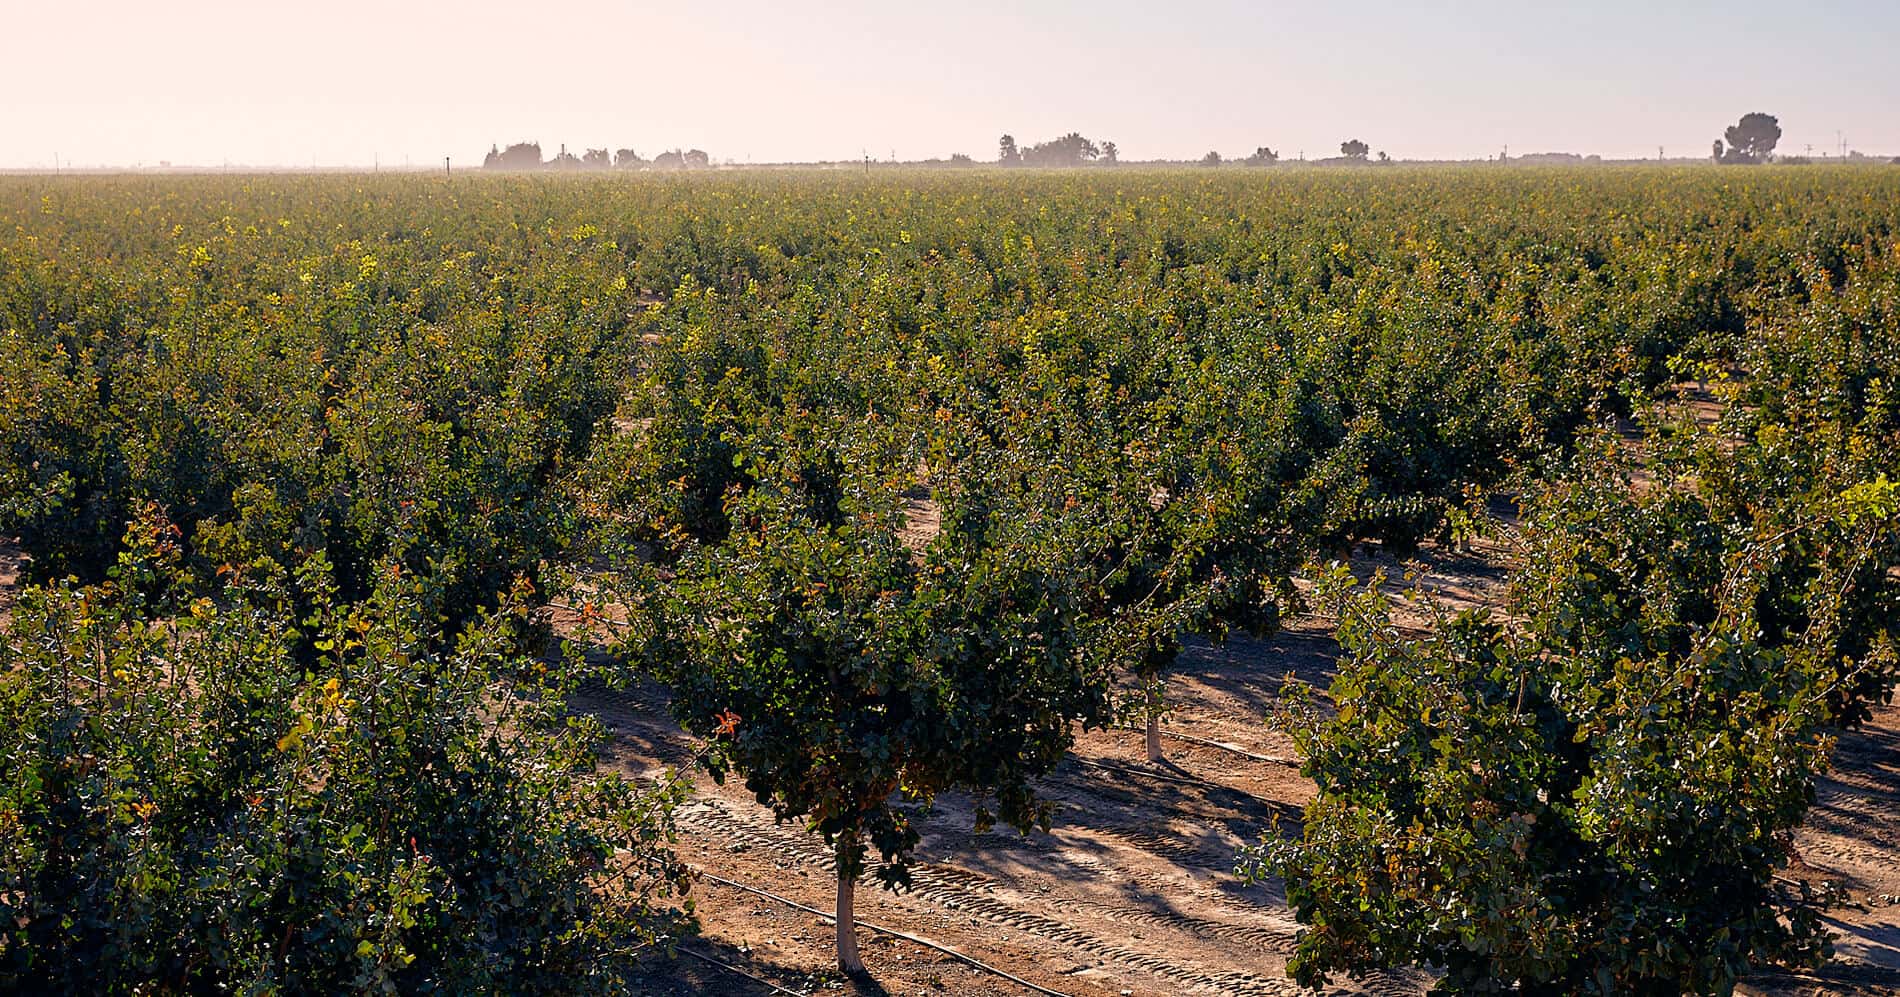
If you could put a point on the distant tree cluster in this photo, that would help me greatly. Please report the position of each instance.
(674, 159)
(1551, 159)
(1075, 149)
(1262, 156)
(520, 156)
(527, 156)
(1072, 149)
(1750, 141)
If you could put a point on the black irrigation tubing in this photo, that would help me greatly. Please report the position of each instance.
(1223, 746)
(894, 933)
(729, 967)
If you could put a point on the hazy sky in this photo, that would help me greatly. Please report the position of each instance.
(345, 81)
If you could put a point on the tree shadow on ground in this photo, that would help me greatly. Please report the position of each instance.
(1836, 977)
(713, 966)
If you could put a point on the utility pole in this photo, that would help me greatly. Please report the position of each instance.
(445, 167)
(56, 164)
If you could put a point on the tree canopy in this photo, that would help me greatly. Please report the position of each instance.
(866, 674)
(1750, 140)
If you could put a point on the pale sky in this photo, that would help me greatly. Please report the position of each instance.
(345, 82)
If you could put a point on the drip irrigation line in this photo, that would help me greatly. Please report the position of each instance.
(729, 967)
(1221, 745)
(894, 933)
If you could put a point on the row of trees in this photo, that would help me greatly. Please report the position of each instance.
(1600, 796)
(1103, 498)
(276, 714)
(899, 486)
(1074, 149)
(527, 156)
(1750, 141)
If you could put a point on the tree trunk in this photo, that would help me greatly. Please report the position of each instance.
(848, 960)
(1154, 724)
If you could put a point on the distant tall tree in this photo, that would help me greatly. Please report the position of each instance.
(565, 161)
(1006, 152)
(1752, 140)
(1211, 159)
(1718, 151)
(961, 159)
(627, 159)
(1111, 153)
(493, 160)
(1352, 148)
(596, 159)
(1383, 158)
(696, 159)
(1263, 156)
(672, 159)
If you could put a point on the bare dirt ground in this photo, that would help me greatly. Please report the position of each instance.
(1852, 836)
(1133, 892)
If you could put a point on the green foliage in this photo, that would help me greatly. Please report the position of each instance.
(1130, 402)
(280, 387)
(1598, 798)
(872, 669)
(224, 792)
(307, 355)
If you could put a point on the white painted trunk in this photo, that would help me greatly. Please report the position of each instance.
(1154, 725)
(848, 959)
